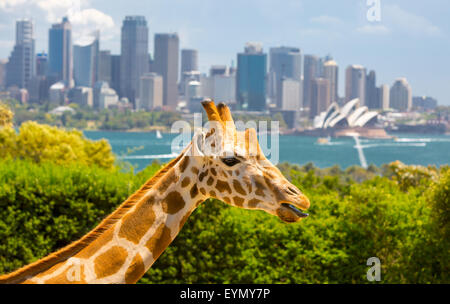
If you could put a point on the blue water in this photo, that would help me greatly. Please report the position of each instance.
(420, 149)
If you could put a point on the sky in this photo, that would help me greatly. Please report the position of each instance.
(411, 39)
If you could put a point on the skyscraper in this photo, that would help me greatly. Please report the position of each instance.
(331, 72)
(86, 60)
(115, 72)
(41, 64)
(355, 83)
(251, 78)
(134, 60)
(372, 98)
(189, 63)
(285, 62)
(189, 60)
(309, 74)
(166, 64)
(320, 96)
(150, 92)
(383, 95)
(60, 52)
(21, 64)
(104, 67)
(3, 64)
(401, 95)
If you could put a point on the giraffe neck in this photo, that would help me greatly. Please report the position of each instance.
(127, 249)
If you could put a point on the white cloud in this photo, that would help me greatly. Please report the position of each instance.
(87, 20)
(326, 20)
(377, 29)
(408, 22)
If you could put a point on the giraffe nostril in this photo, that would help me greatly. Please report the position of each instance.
(293, 190)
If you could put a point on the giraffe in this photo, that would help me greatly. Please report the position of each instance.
(219, 162)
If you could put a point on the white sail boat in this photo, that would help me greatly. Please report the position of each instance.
(158, 134)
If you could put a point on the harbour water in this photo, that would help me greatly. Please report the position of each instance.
(419, 149)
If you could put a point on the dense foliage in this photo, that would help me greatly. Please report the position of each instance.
(42, 143)
(46, 206)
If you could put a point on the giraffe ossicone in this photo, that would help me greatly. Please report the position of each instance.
(220, 162)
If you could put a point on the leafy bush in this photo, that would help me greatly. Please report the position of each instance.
(43, 143)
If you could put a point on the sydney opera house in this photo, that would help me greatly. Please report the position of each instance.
(348, 119)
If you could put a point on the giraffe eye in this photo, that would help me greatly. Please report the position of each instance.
(230, 161)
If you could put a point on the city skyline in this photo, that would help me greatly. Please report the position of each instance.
(410, 28)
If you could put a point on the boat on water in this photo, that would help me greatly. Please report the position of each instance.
(158, 134)
(323, 140)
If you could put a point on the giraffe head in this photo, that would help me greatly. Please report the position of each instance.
(233, 169)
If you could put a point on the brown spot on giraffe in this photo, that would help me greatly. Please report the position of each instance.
(203, 175)
(238, 201)
(212, 193)
(203, 191)
(210, 181)
(115, 256)
(170, 178)
(237, 186)
(194, 191)
(253, 202)
(135, 271)
(260, 186)
(184, 163)
(135, 224)
(223, 186)
(186, 181)
(159, 241)
(173, 202)
(213, 172)
(194, 170)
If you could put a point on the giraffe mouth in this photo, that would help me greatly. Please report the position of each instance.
(290, 213)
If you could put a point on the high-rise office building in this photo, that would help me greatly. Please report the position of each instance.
(189, 63)
(21, 63)
(290, 94)
(320, 96)
(372, 97)
(3, 64)
(115, 72)
(285, 62)
(355, 83)
(134, 55)
(104, 67)
(41, 64)
(60, 52)
(166, 64)
(86, 60)
(331, 72)
(401, 95)
(251, 78)
(309, 74)
(150, 92)
(189, 60)
(383, 95)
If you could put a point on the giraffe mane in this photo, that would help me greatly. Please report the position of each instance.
(66, 252)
